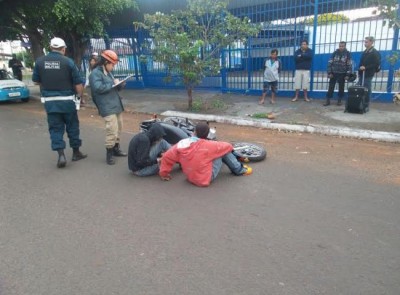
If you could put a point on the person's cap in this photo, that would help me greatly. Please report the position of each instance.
(57, 43)
(95, 54)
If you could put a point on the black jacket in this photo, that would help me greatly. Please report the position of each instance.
(371, 60)
(139, 147)
(15, 65)
(340, 62)
(303, 59)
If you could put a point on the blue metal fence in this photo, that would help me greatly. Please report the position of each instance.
(284, 25)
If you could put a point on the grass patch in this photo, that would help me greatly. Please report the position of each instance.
(199, 104)
(269, 116)
(260, 115)
(218, 104)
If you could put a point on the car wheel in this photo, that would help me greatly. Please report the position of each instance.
(25, 99)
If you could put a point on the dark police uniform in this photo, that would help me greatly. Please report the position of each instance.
(16, 67)
(58, 76)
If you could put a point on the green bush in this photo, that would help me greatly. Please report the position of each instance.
(197, 105)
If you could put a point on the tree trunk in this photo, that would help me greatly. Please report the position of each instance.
(36, 46)
(78, 48)
(190, 97)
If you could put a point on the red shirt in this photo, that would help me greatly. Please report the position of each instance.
(196, 157)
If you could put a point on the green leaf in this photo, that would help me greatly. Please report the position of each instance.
(189, 41)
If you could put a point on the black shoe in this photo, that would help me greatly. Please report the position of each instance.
(62, 161)
(117, 152)
(110, 156)
(326, 103)
(339, 103)
(77, 155)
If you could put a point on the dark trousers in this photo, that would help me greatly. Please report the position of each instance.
(58, 123)
(368, 85)
(18, 75)
(337, 78)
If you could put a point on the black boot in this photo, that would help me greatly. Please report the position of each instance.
(62, 161)
(110, 156)
(117, 152)
(77, 155)
(328, 102)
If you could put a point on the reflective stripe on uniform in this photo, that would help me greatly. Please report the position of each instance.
(55, 98)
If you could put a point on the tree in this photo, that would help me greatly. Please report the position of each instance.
(76, 21)
(188, 42)
(389, 10)
(328, 18)
(79, 20)
(26, 21)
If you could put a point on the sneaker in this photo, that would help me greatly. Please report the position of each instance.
(248, 171)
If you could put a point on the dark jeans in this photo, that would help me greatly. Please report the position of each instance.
(18, 75)
(337, 78)
(367, 84)
(155, 150)
(58, 123)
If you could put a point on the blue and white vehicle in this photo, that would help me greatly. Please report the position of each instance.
(11, 88)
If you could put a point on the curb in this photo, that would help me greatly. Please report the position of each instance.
(318, 129)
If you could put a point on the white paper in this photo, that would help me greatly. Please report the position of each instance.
(121, 81)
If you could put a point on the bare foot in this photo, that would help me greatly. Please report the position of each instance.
(294, 99)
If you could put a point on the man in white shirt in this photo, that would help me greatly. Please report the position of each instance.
(272, 68)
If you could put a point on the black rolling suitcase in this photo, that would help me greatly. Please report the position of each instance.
(356, 98)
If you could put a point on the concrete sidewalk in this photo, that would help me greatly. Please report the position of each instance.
(382, 122)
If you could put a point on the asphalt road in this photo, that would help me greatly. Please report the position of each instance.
(96, 229)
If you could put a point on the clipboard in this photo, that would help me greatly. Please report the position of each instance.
(122, 81)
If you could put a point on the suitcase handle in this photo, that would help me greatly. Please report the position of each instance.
(363, 78)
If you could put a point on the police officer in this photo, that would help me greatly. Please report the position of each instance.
(60, 82)
(16, 66)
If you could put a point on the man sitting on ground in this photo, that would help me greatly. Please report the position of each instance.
(145, 150)
(201, 159)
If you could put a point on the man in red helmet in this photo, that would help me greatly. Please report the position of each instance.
(105, 95)
(60, 82)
